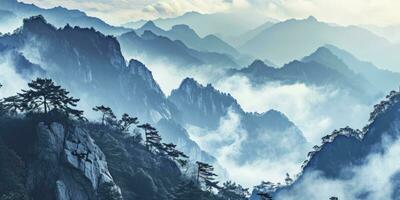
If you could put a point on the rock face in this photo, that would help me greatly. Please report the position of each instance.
(67, 164)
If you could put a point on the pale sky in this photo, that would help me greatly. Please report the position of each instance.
(345, 12)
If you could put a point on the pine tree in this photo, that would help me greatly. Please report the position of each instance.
(107, 114)
(126, 122)
(233, 191)
(205, 173)
(174, 154)
(288, 180)
(42, 93)
(152, 138)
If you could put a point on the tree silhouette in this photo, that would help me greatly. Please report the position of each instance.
(42, 93)
(152, 138)
(174, 154)
(107, 114)
(264, 196)
(288, 180)
(205, 172)
(233, 191)
(126, 122)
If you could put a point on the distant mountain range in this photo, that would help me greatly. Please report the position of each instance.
(321, 68)
(175, 52)
(295, 38)
(220, 24)
(184, 33)
(59, 16)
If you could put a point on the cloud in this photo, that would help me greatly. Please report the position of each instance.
(315, 110)
(380, 12)
(12, 81)
(226, 144)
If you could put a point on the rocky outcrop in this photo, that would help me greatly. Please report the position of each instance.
(67, 164)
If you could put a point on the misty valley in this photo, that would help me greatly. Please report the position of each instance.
(134, 100)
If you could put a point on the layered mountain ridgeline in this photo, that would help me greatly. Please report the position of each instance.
(50, 151)
(322, 68)
(205, 107)
(60, 16)
(222, 23)
(295, 38)
(152, 47)
(184, 33)
(92, 67)
(383, 79)
(349, 162)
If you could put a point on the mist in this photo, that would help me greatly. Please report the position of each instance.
(315, 110)
(12, 81)
(226, 143)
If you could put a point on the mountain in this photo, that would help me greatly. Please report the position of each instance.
(91, 66)
(205, 107)
(153, 47)
(222, 23)
(385, 80)
(245, 37)
(347, 153)
(391, 32)
(60, 16)
(314, 71)
(295, 38)
(184, 33)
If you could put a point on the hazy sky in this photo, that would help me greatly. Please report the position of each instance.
(377, 12)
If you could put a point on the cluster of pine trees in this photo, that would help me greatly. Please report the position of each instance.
(44, 97)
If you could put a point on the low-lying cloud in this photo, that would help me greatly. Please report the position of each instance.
(226, 143)
(315, 110)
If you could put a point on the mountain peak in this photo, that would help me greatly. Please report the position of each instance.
(149, 24)
(190, 82)
(258, 64)
(311, 19)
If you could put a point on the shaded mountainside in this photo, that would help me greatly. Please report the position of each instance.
(344, 153)
(94, 62)
(60, 16)
(184, 33)
(205, 107)
(176, 52)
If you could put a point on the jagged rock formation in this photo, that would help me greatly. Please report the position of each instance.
(61, 162)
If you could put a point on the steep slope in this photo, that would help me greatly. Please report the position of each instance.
(47, 164)
(346, 153)
(184, 33)
(153, 47)
(60, 16)
(93, 62)
(295, 38)
(208, 104)
(385, 80)
(206, 107)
